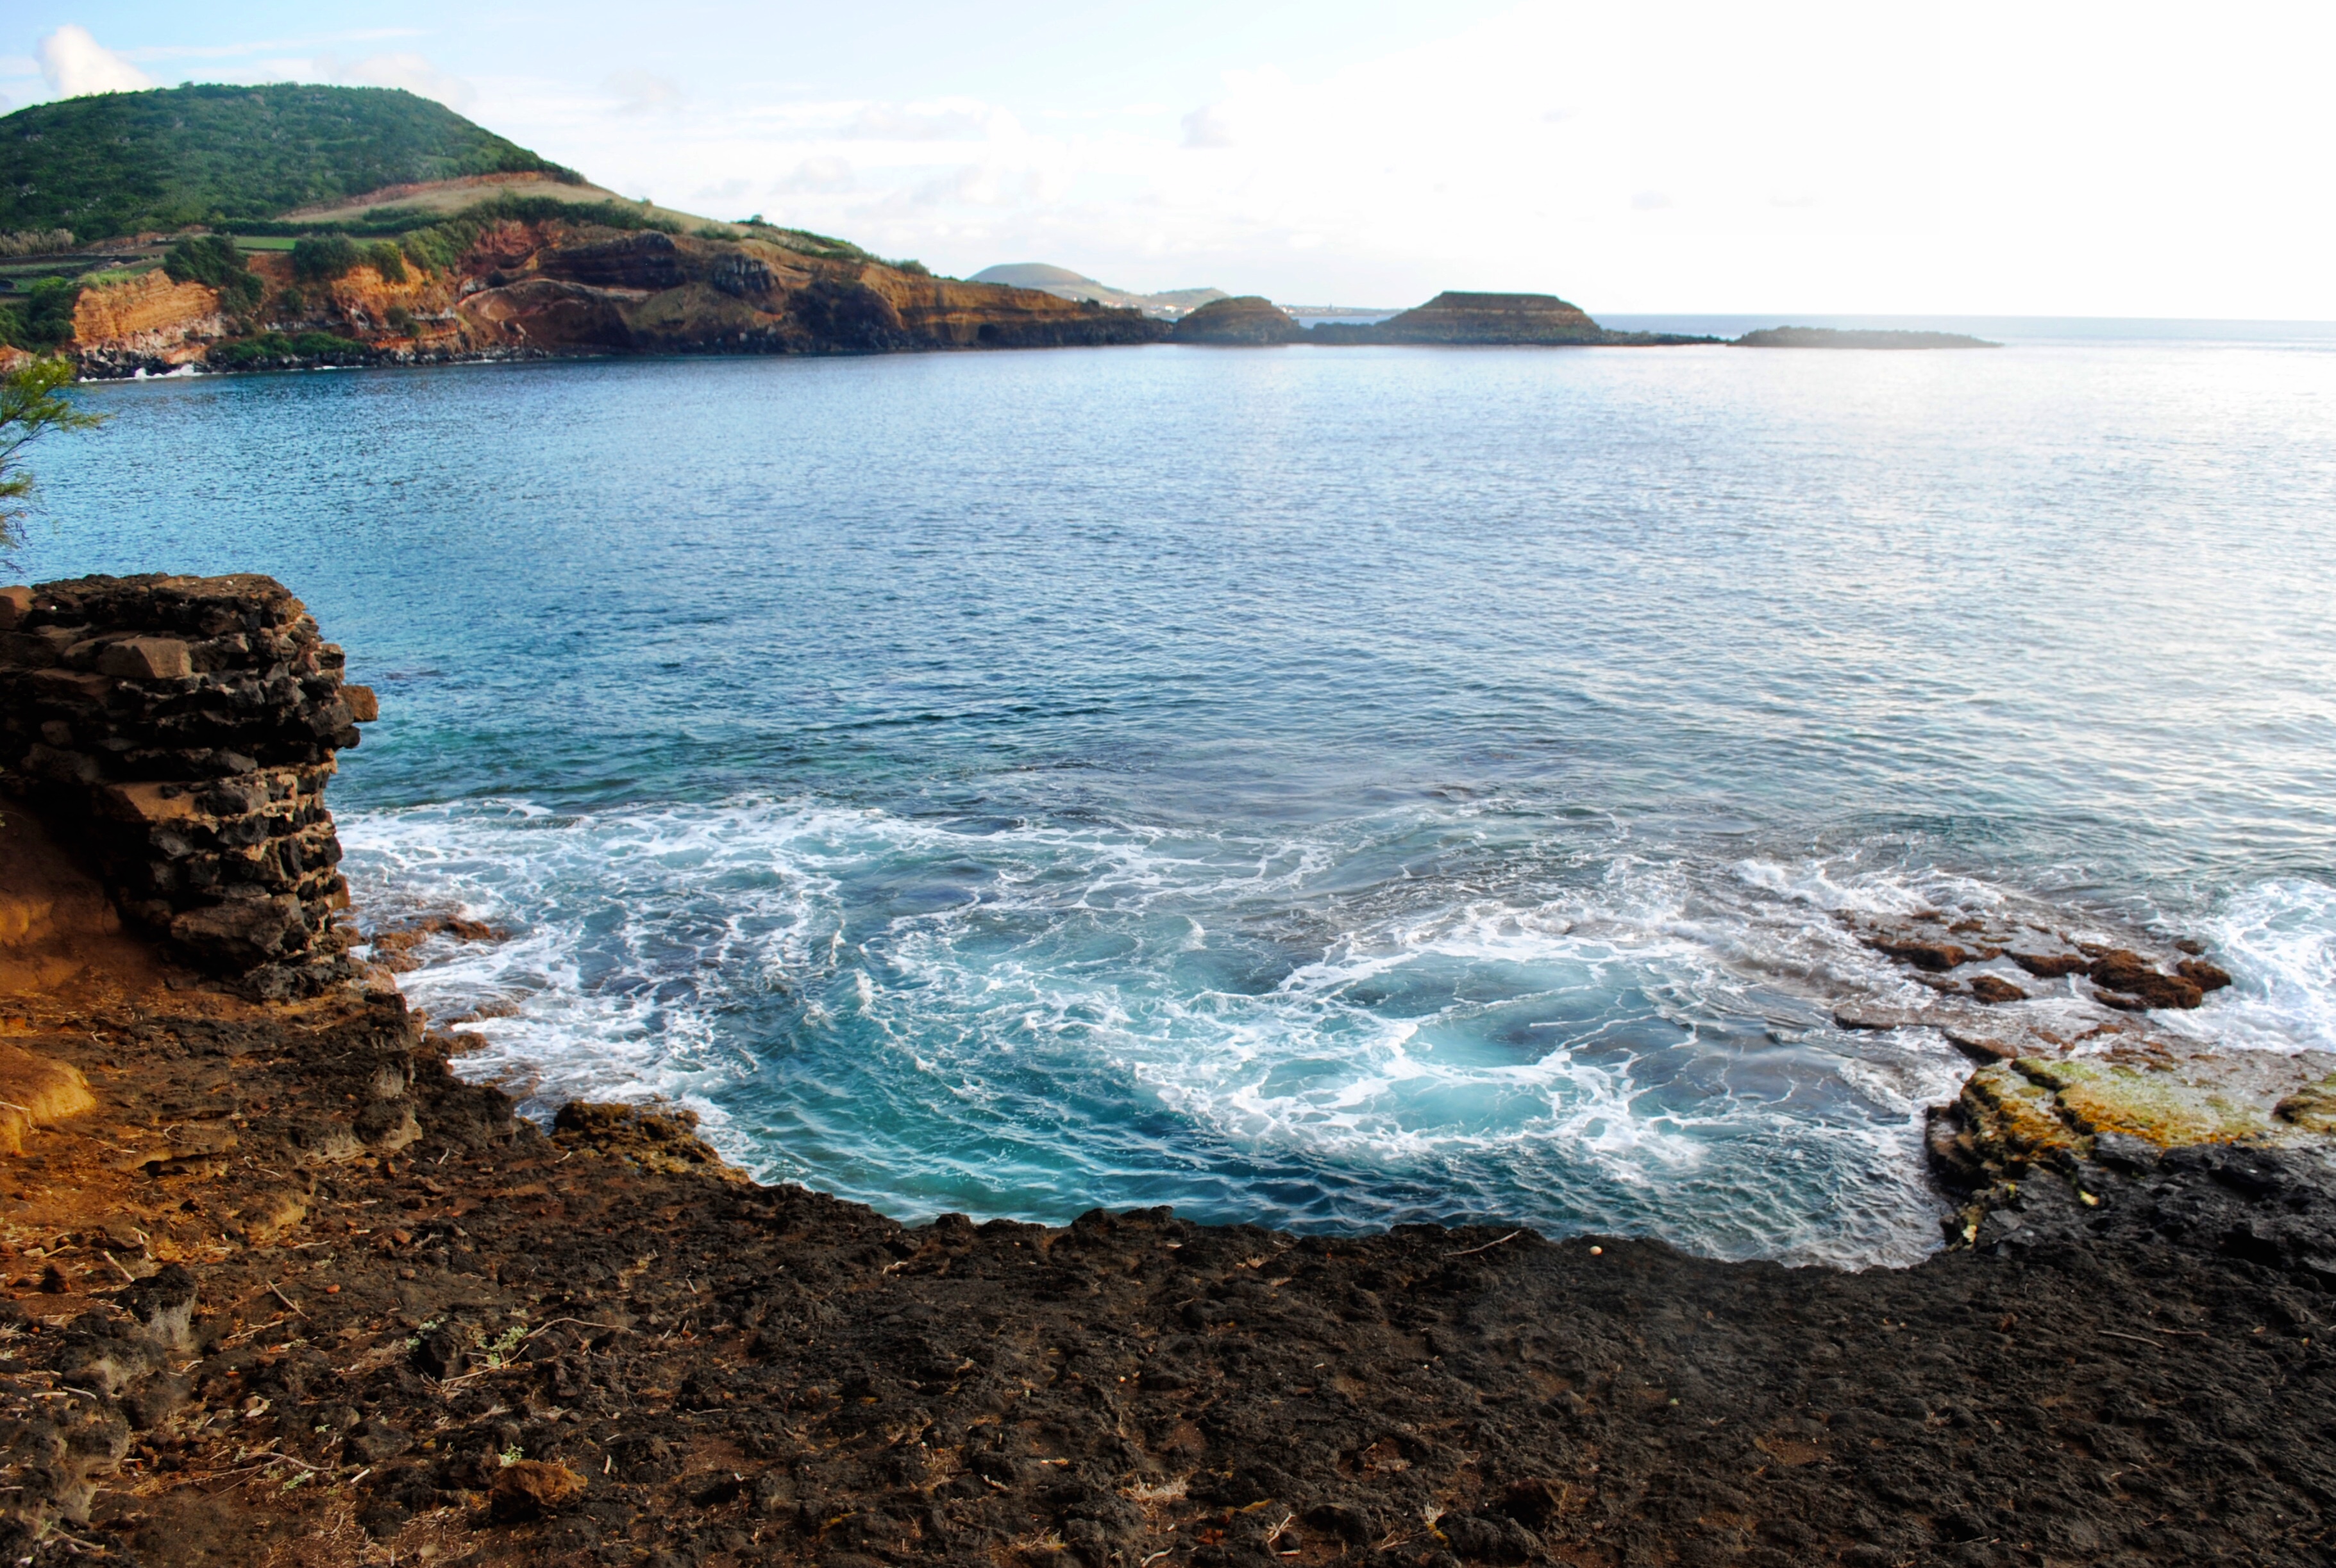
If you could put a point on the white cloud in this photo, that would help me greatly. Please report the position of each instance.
(948, 119)
(826, 175)
(643, 92)
(414, 72)
(1211, 125)
(74, 63)
(261, 46)
(981, 185)
(1800, 155)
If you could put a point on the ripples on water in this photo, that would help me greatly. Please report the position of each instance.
(1327, 788)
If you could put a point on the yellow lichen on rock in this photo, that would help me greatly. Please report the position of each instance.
(2014, 1111)
(2164, 1105)
(2312, 1108)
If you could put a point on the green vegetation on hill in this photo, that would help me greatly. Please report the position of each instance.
(213, 259)
(433, 240)
(42, 316)
(122, 162)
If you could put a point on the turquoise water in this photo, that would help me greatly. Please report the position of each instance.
(1329, 789)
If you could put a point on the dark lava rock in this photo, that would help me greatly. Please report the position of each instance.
(1932, 956)
(1992, 988)
(2051, 966)
(2202, 974)
(375, 1440)
(2141, 984)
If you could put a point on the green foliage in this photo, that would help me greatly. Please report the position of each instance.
(803, 239)
(213, 260)
(400, 320)
(325, 257)
(439, 246)
(914, 268)
(397, 222)
(32, 405)
(43, 319)
(118, 163)
(268, 348)
(384, 257)
(433, 243)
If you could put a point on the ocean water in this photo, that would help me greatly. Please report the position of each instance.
(1329, 789)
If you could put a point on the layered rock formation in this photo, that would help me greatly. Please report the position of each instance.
(1248, 319)
(146, 316)
(182, 730)
(557, 287)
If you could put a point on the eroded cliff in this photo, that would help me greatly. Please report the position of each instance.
(563, 287)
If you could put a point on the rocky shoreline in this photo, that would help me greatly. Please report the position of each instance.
(283, 1288)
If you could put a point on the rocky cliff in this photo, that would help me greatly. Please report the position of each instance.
(558, 287)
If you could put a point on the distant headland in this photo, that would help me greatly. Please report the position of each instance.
(1856, 337)
(1167, 304)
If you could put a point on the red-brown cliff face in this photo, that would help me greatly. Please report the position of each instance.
(658, 292)
(561, 287)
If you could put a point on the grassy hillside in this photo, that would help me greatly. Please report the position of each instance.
(120, 162)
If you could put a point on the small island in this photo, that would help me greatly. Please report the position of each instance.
(1247, 320)
(1856, 337)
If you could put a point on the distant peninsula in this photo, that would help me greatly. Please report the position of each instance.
(1167, 304)
(1856, 337)
(205, 228)
(296, 227)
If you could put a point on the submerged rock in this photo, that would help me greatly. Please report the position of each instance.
(1933, 943)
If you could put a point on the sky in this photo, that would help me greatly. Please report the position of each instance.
(2047, 157)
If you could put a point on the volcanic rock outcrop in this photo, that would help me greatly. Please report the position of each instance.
(1248, 319)
(182, 729)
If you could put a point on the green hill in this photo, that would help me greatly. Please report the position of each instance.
(122, 162)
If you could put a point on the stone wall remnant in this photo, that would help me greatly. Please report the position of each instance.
(182, 729)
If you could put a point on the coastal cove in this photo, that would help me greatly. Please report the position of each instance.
(1326, 790)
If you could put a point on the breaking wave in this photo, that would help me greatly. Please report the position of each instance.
(1434, 1015)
